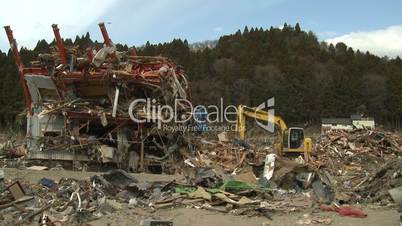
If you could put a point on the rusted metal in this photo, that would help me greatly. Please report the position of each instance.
(142, 156)
(14, 47)
(60, 45)
(106, 38)
(90, 54)
(20, 66)
(76, 110)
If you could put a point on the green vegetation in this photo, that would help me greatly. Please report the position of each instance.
(309, 79)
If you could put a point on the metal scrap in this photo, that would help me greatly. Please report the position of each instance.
(77, 101)
(362, 164)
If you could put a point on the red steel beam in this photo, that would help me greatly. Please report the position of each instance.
(20, 65)
(60, 45)
(105, 35)
(14, 48)
(90, 54)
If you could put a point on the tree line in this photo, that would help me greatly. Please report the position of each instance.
(310, 79)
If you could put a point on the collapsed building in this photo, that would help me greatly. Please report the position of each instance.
(78, 102)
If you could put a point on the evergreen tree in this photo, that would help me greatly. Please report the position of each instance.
(308, 78)
(297, 28)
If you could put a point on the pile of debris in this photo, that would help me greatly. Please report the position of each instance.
(230, 177)
(359, 165)
(229, 156)
(101, 104)
(78, 201)
(49, 202)
(11, 148)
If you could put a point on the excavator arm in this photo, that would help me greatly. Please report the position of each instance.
(244, 111)
(289, 140)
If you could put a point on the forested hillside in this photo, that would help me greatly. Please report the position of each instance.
(308, 78)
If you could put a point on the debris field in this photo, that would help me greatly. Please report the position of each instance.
(79, 107)
(81, 104)
(346, 171)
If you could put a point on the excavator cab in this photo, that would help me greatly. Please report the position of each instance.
(294, 141)
(293, 138)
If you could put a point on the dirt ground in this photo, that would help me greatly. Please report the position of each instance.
(377, 216)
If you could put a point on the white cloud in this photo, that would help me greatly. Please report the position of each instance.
(384, 42)
(32, 20)
(327, 34)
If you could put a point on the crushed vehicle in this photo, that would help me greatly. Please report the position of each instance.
(78, 102)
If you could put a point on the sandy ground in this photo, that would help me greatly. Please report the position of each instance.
(383, 216)
(187, 217)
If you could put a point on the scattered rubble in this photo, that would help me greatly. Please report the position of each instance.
(77, 201)
(359, 165)
(309, 220)
(79, 108)
(226, 177)
(79, 105)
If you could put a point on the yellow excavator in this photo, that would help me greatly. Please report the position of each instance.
(290, 140)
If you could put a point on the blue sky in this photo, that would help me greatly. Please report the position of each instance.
(368, 25)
